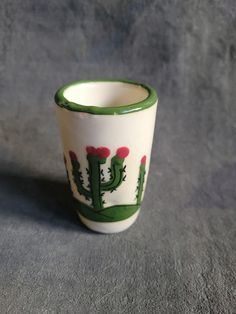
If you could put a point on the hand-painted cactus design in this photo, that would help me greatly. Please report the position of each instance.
(141, 179)
(98, 185)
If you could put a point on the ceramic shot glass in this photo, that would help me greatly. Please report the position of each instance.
(107, 131)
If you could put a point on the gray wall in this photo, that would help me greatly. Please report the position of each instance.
(178, 258)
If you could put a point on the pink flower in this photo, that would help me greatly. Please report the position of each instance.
(143, 160)
(72, 155)
(122, 152)
(91, 150)
(103, 152)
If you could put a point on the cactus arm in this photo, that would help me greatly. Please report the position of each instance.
(141, 179)
(78, 179)
(116, 174)
(94, 181)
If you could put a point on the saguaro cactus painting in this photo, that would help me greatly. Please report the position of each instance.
(98, 185)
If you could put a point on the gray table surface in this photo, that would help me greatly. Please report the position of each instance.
(179, 257)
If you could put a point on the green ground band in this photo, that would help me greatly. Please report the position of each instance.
(109, 214)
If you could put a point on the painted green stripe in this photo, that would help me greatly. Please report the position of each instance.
(144, 104)
(108, 214)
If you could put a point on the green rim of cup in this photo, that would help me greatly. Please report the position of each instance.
(61, 101)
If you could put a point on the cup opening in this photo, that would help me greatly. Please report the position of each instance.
(106, 97)
(105, 94)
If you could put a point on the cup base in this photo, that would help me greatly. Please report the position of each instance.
(109, 227)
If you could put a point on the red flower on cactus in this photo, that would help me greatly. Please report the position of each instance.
(122, 152)
(143, 160)
(91, 150)
(103, 152)
(72, 155)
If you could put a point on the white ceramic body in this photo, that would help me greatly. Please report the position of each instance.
(133, 130)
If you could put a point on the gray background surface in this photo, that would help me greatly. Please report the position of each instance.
(179, 257)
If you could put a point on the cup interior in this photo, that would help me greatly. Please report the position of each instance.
(105, 94)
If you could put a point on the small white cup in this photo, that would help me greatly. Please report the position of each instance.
(107, 131)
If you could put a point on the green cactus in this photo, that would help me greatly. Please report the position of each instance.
(97, 184)
(141, 179)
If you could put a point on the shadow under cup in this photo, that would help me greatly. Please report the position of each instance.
(107, 131)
